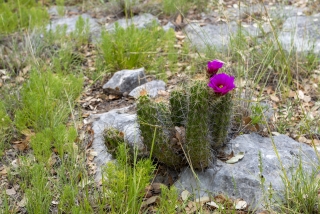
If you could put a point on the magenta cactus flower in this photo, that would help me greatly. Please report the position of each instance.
(214, 66)
(221, 83)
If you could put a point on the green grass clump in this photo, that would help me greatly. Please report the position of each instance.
(301, 192)
(113, 138)
(46, 100)
(182, 6)
(124, 184)
(60, 138)
(5, 127)
(21, 14)
(152, 48)
(38, 192)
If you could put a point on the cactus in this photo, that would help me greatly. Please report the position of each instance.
(157, 130)
(197, 129)
(220, 118)
(178, 107)
(202, 110)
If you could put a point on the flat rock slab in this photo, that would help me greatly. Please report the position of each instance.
(120, 119)
(124, 81)
(151, 88)
(70, 24)
(301, 33)
(242, 179)
(217, 36)
(141, 21)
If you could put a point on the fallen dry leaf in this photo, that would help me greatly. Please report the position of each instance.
(151, 200)
(11, 191)
(274, 98)
(23, 145)
(23, 202)
(236, 158)
(300, 94)
(143, 92)
(214, 204)
(3, 170)
(302, 139)
(163, 93)
(241, 205)
(202, 200)
(185, 195)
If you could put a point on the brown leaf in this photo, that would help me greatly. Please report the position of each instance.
(249, 126)
(179, 19)
(274, 98)
(302, 139)
(21, 146)
(151, 200)
(163, 93)
(113, 97)
(143, 92)
(292, 94)
(246, 120)
(3, 170)
(231, 155)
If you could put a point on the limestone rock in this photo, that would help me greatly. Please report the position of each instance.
(214, 36)
(124, 81)
(141, 21)
(218, 36)
(120, 119)
(168, 26)
(301, 33)
(70, 23)
(152, 88)
(242, 179)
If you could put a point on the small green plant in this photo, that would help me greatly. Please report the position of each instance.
(203, 110)
(82, 31)
(169, 200)
(5, 128)
(21, 14)
(124, 183)
(257, 114)
(152, 48)
(45, 100)
(60, 138)
(301, 192)
(38, 194)
(124, 6)
(60, 7)
(182, 6)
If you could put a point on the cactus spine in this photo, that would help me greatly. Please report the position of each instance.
(178, 107)
(157, 128)
(220, 118)
(197, 129)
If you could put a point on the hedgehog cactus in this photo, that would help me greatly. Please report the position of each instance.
(157, 130)
(178, 107)
(203, 110)
(197, 130)
(220, 118)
